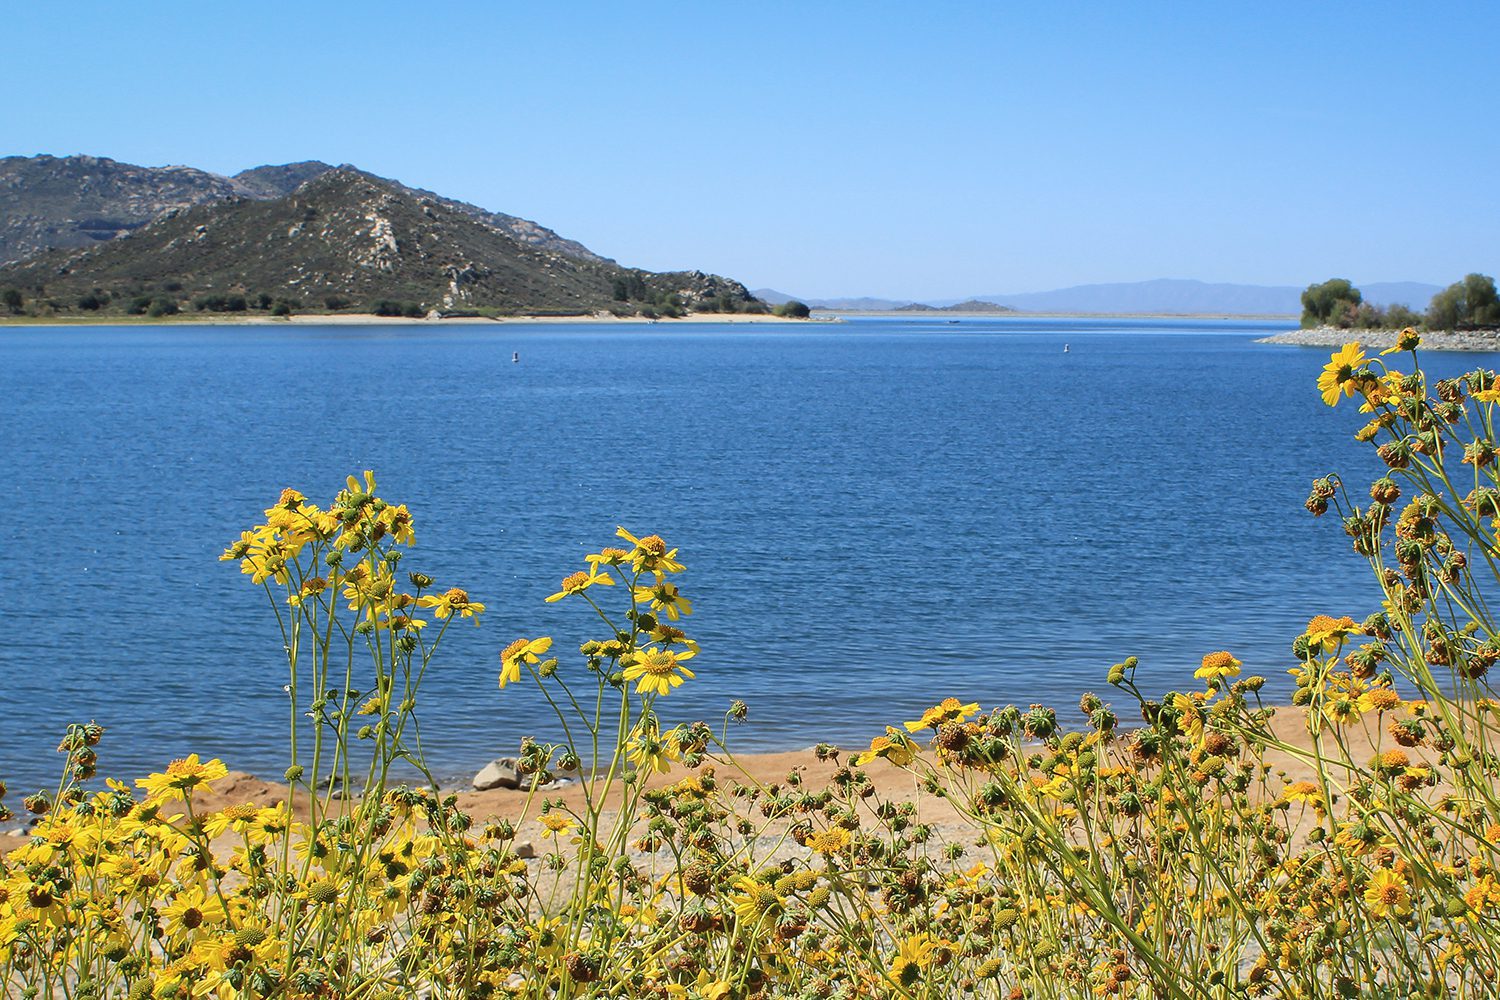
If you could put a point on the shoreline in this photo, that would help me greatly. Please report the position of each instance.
(765, 768)
(1482, 341)
(370, 319)
(604, 319)
(1020, 314)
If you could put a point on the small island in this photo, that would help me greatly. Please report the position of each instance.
(1465, 316)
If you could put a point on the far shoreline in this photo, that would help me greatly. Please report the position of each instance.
(820, 316)
(1018, 314)
(370, 319)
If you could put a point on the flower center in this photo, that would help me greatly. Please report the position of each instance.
(659, 663)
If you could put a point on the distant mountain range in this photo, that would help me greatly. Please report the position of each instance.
(90, 233)
(1163, 295)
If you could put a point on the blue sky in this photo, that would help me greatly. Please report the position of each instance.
(894, 149)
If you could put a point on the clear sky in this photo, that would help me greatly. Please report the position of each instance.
(895, 149)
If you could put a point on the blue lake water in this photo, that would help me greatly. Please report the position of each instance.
(875, 514)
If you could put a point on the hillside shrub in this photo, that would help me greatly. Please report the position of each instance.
(221, 303)
(391, 307)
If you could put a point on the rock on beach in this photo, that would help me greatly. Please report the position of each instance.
(1438, 340)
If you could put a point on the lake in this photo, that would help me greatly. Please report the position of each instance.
(875, 514)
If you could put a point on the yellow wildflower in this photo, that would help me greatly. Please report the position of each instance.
(651, 752)
(1325, 631)
(651, 554)
(557, 823)
(1387, 894)
(607, 557)
(914, 954)
(450, 602)
(519, 652)
(181, 777)
(664, 596)
(577, 583)
(1379, 699)
(754, 900)
(1407, 340)
(657, 671)
(1338, 374)
(948, 710)
(894, 746)
(1216, 665)
(829, 841)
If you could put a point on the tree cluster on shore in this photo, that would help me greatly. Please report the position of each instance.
(1470, 304)
(630, 299)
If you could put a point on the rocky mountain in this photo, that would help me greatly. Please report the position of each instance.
(278, 181)
(48, 202)
(966, 306)
(77, 201)
(347, 239)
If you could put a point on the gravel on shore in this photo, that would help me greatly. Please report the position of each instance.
(1439, 340)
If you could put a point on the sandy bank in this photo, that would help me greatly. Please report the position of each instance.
(891, 783)
(1440, 340)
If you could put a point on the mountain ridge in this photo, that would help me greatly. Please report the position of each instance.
(349, 238)
(1159, 295)
(49, 202)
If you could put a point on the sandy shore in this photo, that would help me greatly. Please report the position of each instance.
(891, 783)
(1438, 340)
(370, 319)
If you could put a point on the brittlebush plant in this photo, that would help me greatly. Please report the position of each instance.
(1213, 847)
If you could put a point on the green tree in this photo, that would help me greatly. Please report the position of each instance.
(12, 301)
(162, 306)
(1330, 302)
(793, 310)
(1465, 305)
(1399, 316)
(1367, 317)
